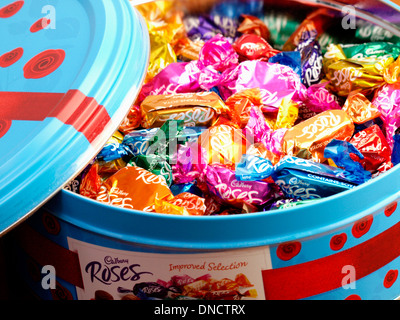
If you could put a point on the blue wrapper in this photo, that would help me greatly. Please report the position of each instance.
(339, 151)
(186, 187)
(396, 149)
(235, 8)
(305, 179)
(139, 141)
(113, 151)
(253, 168)
(291, 59)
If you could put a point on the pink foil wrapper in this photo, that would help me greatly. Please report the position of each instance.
(218, 53)
(320, 99)
(222, 182)
(275, 80)
(216, 59)
(387, 100)
(258, 128)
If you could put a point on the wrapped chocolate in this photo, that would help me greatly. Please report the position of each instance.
(342, 154)
(132, 121)
(91, 183)
(320, 99)
(287, 114)
(396, 149)
(305, 179)
(182, 204)
(276, 81)
(281, 25)
(313, 26)
(359, 108)
(315, 133)
(114, 149)
(387, 100)
(261, 133)
(288, 58)
(222, 182)
(392, 73)
(352, 74)
(223, 144)
(253, 47)
(253, 25)
(139, 141)
(134, 188)
(253, 168)
(311, 61)
(371, 50)
(195, 109)
(155, 164)
(372, 143)
(216, 59)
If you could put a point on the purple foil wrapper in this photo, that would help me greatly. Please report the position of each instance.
(222, 182)
(311, 62)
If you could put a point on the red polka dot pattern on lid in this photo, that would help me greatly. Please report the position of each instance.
(390, 209)
(287, 251)
(11, 9)
(11, 57)
(362, 226)
(40, 25)
(390, 278)
(44, 64)
(353, 297)
(337, 242)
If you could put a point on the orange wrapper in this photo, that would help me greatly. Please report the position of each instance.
(132, 121)
(183, 204)
(195, 109)
(91, 183)
(315, 133)
(223, 144)
(359, 108)
(188, 50)
(134, 188)
(253, 25)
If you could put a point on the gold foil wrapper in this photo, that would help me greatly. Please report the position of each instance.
(315, 133)
(392, 73)
(287, 114)
(356, 74)
(195, 109)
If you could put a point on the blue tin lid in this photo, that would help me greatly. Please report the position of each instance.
(69, 72)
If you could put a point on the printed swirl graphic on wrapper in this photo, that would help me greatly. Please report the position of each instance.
(11, 57)
(11, 9)
(44, 64)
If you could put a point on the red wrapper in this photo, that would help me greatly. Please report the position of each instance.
(372, 143)
(253, 47)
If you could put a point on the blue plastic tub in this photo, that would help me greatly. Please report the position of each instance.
(346, 246)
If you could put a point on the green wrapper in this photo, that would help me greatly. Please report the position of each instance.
(155, 164)
(281, 26)
(371, 50)
(368, 32)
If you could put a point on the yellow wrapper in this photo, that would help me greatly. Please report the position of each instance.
(287, 114)
(392, 73)
(355, 74)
